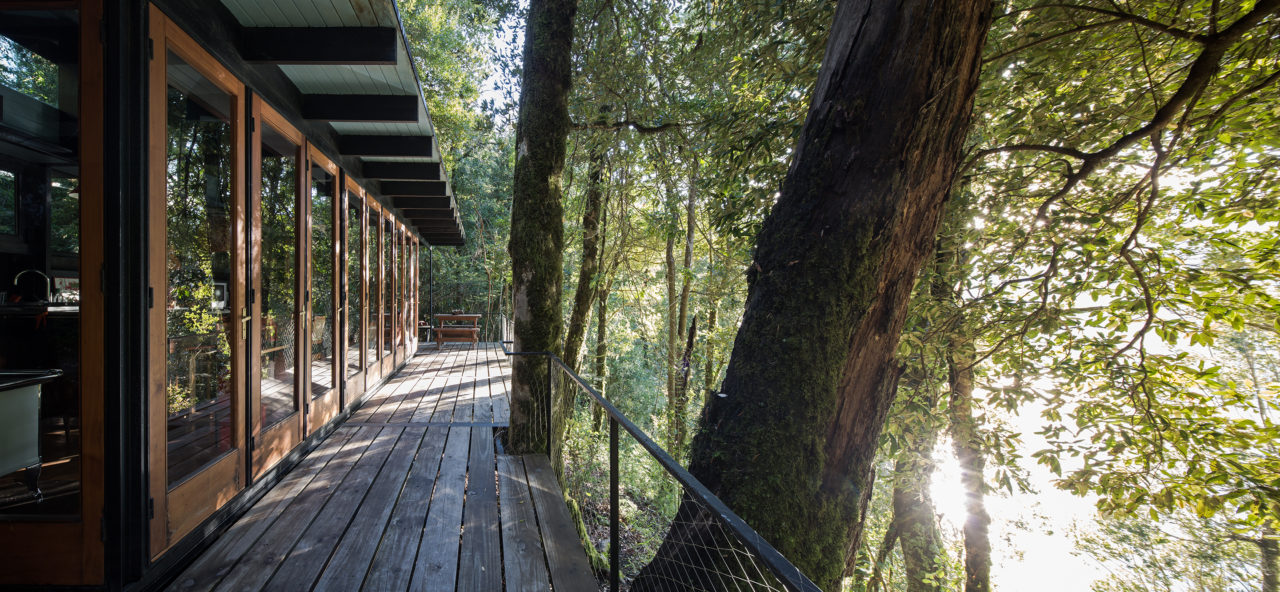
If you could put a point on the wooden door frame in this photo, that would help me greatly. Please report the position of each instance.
(320, 411)
(71, 552)
(269, 444)
(386, 256)
(180, 509)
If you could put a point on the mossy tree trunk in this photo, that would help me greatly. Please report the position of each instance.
(790, 445)
(923, 557)
(537, 226)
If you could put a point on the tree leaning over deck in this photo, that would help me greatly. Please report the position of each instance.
(789, 442)
(537, 227)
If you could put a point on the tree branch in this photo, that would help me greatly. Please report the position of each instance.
(1126, 17)
(627, 123)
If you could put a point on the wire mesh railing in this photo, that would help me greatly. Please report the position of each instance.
(646, 523)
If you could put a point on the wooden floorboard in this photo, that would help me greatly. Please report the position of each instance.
(524, 566)
(566, 558)
(410, 494)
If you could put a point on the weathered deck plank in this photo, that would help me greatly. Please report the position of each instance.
(565, 556)
(410, 494)
(524, 565)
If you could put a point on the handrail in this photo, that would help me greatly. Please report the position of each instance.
(783, 569)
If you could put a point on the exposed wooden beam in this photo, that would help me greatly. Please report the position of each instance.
(415, 188)
(417, 146)
(402, 171)
(389, 108)
(320, 45)
(439, 202)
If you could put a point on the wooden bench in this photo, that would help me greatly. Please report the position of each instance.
(466, 331)
(452, 334)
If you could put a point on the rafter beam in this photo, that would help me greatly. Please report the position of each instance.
(439, 202)
(416, 146)
(371, 46)
(386, 108)
(402, 171)
(415, 188)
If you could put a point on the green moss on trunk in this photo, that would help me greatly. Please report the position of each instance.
(790, 444)
(537, 226)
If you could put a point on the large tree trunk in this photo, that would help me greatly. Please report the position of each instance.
(790, 445)
(591, 237)
(537, 227)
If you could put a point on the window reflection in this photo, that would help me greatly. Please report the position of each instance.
(322, 292)
(355, 279)
(40, 439)
(198, 265)
(279, 212)
(375, 286)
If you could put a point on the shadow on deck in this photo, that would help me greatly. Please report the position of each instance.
(409, 493)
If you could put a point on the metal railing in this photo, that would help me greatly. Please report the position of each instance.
(648, 497)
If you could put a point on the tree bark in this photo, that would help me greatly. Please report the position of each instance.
(673, 338)
(590, 267)
(812, 375)
(913, 513)
(537, 226)
(968, 446)
(1269, 550)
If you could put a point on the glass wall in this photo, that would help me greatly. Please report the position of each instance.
(374, 292)
(199, 269)
(279, 276)
(389, 279)
(323, 307)
(354, 281)
(40, 322)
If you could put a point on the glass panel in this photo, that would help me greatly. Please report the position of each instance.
(388, 289)
(8, 202)
(198, 194)
(279, 276)
(375, 284)
(355, 279)
(322, 292)
(39, 267)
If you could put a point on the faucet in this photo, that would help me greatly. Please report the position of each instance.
(48, 283)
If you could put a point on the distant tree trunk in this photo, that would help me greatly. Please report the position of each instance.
(537, 226)
(966, 437)
(1269, 550)
(591, 238)
(602, 350)
(967, 441)
(923, 557)
(673, 337)
(876, 581)
(687, 275)
(790, 447)
(709, 369)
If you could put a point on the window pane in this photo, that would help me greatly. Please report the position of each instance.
(322, 292)
(198, 194)
(355, 279)
(8, 203)
(388, 289)
(375, 285)
(39, 267)
(279, 275)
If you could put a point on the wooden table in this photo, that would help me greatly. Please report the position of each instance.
(466, 329)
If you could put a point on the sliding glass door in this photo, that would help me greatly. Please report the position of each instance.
(278, 335)
(325, 299)
(199, 316)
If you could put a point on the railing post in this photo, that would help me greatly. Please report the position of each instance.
(615, 542)
(551, 399)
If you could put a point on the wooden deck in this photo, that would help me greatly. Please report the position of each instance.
(410, 493)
